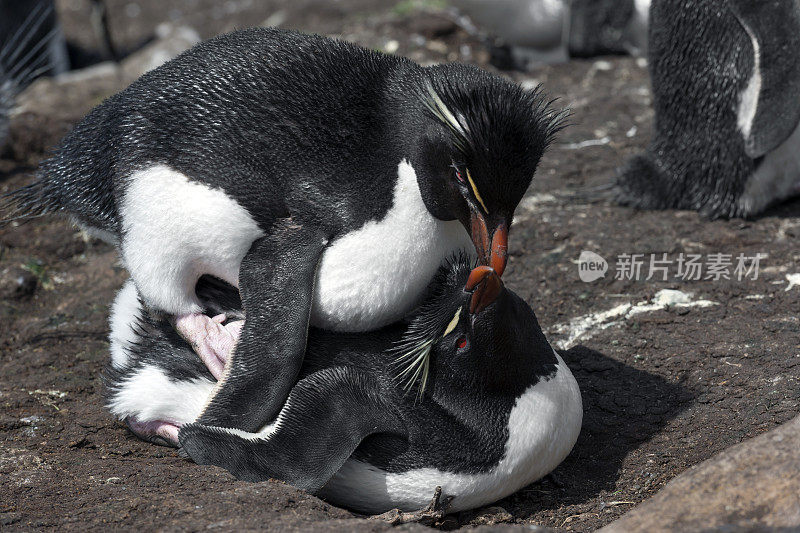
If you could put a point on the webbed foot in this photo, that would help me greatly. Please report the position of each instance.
(155, 431)
(212, 340)
(430, 515)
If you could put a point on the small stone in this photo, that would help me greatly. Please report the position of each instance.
(391, 46)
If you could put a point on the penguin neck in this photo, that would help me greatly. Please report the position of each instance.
(405, 107)
(411, 124)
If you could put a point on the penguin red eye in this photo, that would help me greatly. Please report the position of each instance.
(459, 177)
(461, 342)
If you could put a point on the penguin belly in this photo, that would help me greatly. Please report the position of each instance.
(377, 274)
(543, 426)
(174, 230)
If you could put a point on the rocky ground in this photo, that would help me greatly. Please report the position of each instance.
(669, 379)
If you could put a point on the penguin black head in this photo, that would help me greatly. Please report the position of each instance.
(481, 141)
(473, 333)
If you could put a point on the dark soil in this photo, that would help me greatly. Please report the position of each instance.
(662, 390)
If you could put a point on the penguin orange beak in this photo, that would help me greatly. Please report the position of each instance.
(492, 252)
(485, 285)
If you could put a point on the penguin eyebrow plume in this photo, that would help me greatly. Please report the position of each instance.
(417, 362)
(440, 110)
(453, 323)
(415, 352)
(412, 353)
(475, 191)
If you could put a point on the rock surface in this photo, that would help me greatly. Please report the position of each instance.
(750, 487)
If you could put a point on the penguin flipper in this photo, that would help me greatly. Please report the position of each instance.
(324, 420)
(276, 284)
(774, 29)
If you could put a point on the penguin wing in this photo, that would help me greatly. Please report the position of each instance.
(324, 420)
(770, 107)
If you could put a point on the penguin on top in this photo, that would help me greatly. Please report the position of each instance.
(324, 180)
(467, 394)
(726, 91)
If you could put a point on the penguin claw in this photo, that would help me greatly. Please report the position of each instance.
(431, 515)
(212, 340)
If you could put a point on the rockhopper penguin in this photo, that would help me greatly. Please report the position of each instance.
(326, 181)
(726, 92)
(467, 395)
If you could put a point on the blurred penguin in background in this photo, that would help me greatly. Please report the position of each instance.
(31, 45)
(532, 32)
(726, 91)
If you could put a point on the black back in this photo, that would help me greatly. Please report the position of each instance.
(288, 123)
(270, 116)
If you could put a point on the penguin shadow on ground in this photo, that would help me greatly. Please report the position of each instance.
(788, 209)
(622, 408)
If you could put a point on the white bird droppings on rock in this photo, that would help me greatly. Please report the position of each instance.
(794, 281)
(585, 144)
(585, 327)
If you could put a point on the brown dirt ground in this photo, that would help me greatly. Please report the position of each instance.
(662, 391)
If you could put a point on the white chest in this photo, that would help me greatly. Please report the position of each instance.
(376, 274)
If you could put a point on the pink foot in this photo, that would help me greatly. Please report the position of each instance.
(212, 341)
(155, 431)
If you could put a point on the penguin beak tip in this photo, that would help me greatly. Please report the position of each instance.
(485, 285)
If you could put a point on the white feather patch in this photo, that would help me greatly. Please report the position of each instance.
(148, 394)
(375, 275)
(176, 230)
(748, 100)
(125, 313)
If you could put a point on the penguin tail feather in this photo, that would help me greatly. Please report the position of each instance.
(26, 203)
(642, 184)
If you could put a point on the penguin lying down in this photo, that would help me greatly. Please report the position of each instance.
(466, 394)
